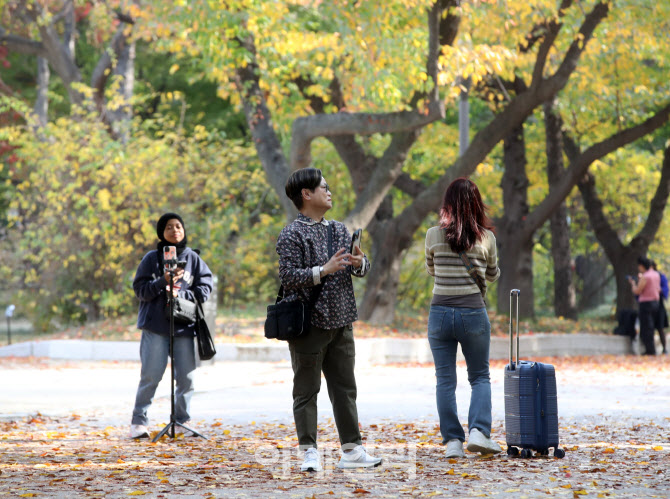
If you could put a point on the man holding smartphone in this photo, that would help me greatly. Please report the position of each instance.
(328, 345)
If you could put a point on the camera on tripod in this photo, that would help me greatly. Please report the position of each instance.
(170, 261)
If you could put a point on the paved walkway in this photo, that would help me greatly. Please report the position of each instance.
(240, 392)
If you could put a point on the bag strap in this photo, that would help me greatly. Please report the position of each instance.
(473, 273)
(315, 297)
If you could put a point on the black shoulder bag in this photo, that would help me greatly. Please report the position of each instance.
(206, 349)
(473, 273)
(286, 321)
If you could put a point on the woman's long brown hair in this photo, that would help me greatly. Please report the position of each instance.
(463, 215)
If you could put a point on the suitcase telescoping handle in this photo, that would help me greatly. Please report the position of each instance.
(513, 319)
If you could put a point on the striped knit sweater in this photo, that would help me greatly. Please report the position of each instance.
(451, 277)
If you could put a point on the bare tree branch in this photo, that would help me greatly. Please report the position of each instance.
(580, 163)
(21, 45)
(606, 234)
(383, 177)
(449, 24)
(103, 69)
(409, 186)
(578, 46)
(307, 128)
(516, 111)
(259, 119)
(552, 28)
(658, 202)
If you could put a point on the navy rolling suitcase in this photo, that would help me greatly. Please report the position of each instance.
(531, 402)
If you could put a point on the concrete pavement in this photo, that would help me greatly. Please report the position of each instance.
(240, 392)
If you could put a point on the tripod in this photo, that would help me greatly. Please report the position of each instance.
(173, 423)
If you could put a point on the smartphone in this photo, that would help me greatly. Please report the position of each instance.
(169, 257)
(356, 240)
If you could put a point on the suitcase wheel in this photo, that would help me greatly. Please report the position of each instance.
(526, 453)
(559, 453)
(512, 451)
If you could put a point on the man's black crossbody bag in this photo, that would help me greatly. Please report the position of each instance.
(289, 320)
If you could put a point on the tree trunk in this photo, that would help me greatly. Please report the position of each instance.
(515, 243)
(381, 291)
(564, 289)
(624, 263)
(124, 73)
(515, 257)
(596, 275)
(259, 119)
(42, 100)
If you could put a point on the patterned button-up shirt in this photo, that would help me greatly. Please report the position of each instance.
(303, 248)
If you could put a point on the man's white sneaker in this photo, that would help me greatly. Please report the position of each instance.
(312, 461)
(477, 442)
(454, 448)
(358, 458)
(138, 431)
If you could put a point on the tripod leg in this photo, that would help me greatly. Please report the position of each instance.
(194, 433)
(167, 427)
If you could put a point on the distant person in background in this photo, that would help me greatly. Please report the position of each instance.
(662, 317)
(648, 292)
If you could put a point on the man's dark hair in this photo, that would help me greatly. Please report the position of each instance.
(305, 178)
(645, 262)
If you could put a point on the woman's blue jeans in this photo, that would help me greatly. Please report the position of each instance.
(154, 353)
(447, 327)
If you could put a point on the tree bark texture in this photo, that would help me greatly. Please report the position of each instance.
(42, 100)
(381, 291)
(515, 244)
(124, 74)
(596, 278)
(565, 303)
(259, 119)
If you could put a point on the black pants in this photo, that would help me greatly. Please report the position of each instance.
(648, 315)
(662, 323)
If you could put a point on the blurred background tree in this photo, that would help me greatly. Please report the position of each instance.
(107, 105)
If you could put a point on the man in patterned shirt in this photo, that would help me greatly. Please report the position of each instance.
(328, 345)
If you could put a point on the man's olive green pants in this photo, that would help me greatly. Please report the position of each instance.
(331, 351)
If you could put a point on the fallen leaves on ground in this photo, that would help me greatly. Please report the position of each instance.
(71, 457)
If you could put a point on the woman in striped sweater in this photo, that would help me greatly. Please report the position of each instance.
(458, 314)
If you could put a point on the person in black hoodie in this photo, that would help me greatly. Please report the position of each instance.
(151, 286)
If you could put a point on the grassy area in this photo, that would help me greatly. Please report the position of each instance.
(245, 325)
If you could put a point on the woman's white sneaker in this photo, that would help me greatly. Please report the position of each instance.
(454, 448)
(477, 442)
(312, 461)
(358, 457)
(139, 431)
